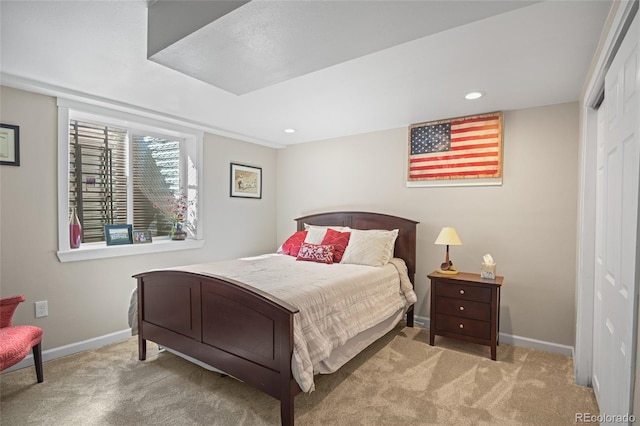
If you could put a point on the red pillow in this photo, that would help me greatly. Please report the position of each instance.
(316, 253)
(293, 243)
(338, 240)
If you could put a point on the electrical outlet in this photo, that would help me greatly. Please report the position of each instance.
(42, 309)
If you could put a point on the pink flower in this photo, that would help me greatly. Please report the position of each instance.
(176, 207)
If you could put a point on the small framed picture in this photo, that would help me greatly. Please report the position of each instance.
(140, 237)
(246, 181)
(116, 235)
(9, 145)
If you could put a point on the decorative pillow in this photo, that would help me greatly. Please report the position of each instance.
(316, 233)
(371, 247)
(316, 253)
(293, 243)
(338, 240)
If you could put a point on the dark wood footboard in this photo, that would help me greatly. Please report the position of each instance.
(240, 330)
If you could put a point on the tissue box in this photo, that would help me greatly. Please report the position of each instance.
(488, 271)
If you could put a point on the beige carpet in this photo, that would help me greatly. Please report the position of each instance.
(398, 380)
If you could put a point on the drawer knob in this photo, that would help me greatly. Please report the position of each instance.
(461, 291)
(461, 326)
(462, 308)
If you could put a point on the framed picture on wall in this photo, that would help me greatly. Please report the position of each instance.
(463, 151)
(246, 181)
(9, 145)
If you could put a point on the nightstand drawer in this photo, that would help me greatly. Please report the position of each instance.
(462, 291)
(464, 308)
(466, 326)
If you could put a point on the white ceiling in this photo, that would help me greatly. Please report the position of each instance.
(364, 74)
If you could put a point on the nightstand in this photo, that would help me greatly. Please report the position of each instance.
(465, 307)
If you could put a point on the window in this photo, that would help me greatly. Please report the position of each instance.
(125, 169)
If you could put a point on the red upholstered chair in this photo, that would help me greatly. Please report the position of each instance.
(17, 340)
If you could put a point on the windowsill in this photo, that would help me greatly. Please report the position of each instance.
(101, 250)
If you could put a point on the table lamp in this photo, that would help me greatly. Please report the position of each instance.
(448, 237)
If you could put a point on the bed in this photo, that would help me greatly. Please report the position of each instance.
(248, 332)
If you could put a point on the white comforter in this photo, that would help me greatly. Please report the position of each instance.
(336, 302)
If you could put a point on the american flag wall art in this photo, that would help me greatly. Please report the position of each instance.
(464, 148)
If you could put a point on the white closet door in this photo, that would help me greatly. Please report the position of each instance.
(617, 230)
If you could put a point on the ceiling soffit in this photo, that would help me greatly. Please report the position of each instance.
(243, 46)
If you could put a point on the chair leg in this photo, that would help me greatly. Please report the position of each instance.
(37, 360)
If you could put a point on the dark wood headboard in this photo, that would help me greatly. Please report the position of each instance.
(405, 243)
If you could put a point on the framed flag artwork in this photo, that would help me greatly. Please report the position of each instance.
(457, 151)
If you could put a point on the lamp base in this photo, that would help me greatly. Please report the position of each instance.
(448, 272)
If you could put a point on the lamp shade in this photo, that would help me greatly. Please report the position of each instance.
(449, 237)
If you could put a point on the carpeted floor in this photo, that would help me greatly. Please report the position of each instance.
(400, 379)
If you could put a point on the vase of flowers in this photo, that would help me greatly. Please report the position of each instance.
(177, 232)
(175, 210)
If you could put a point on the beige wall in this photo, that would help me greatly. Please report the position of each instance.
(528, 224)
(88, 299)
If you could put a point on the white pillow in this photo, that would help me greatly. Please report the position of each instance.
(315, 234)
(371, 247)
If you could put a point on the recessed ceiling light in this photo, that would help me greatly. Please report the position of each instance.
(289, 130)
(474, 95)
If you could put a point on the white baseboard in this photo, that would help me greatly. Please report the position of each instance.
(118, 336)
(525, 342)
(73, 348)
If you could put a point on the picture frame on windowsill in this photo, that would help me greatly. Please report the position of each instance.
(116, 235)
(142, 237)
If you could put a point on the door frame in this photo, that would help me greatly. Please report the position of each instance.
(618, 21)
